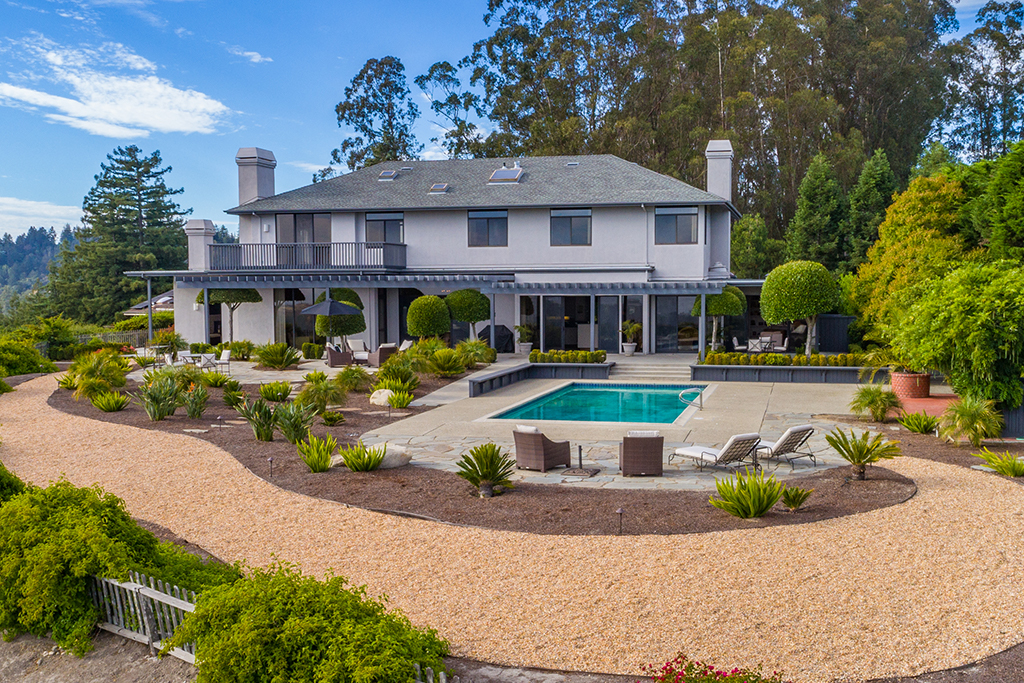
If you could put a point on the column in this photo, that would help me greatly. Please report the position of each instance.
(206, 315)
(540, 322)
(149, 306)
(593, 322)
(491, 297)
(701, 331)
(648, 332)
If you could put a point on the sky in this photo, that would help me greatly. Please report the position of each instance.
(197, 80)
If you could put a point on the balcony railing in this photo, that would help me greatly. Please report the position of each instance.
(308, 256)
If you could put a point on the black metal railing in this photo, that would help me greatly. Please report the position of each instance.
(308, 256)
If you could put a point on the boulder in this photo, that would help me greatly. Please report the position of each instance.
(396, 456)
(380, 397)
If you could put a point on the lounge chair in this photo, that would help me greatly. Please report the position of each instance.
(171, 363)
(360, 354)
(336, 358)
(383, 352)
(641, 454)
(737, 346)
(736, 451)
(789, 446)
(224, 361)
(781, 348)
(534, 451)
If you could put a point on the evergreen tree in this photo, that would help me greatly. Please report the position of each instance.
(1006, 202)
(130, 222)
(869, 199)
(753, 254)
(819, 230)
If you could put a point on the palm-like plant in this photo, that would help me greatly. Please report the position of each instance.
(260, 417)
(276, 356)
(275, 392)
(97, 373)
(111, 401)
(860, 451)
(319, 395)
(354, 378)
(159, 398)
(971, 418)
(1006, 463)
(876, 400)
(447, 363)
(747, 495)
(486, 467)
(920, 423)
(294, 420)
(794, 496)
(473, 351)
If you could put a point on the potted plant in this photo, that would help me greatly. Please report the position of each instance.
(525, 344)
(631, 332)
(907, 381)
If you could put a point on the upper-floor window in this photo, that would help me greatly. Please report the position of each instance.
(570, 227)
(385, 227)
(488, 228)
(675, 225)
(295, 228)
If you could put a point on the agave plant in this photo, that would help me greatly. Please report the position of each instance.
(276, 356)
(260, 417)
(194, 400)
(111, 401)
(794, 496)
(1006, 463)
(486, 467)
(317, 453)
(294, 420)
(360, 458)
(920, 423)
(354, 378)
(275, 392)
(860, 451)
(747, 495)
(159, 398)
(876, 400)
(447, 363)
(399, 399)
(971, 418)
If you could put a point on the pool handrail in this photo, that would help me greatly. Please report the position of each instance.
(689, 402)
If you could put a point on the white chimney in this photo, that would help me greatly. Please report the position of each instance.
(200, 236)
(719, 156)
(255, 174)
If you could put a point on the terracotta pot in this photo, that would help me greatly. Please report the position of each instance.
(911, 384)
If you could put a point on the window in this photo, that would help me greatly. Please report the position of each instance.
(675, 225)
(488, 228)
(570, 227)
(385, 227)
(303, 228)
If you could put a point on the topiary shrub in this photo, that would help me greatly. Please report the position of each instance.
(469, 306)
(311, 351)
(428, 317)
(798, 290)
(341, 325)
(298, 629)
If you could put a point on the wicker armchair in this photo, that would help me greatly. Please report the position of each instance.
(534, 451)
(337, 358)
(383, 352)
(641, 454)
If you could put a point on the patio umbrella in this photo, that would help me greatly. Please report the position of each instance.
(330, 307)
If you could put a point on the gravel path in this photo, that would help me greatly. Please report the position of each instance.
(929, 584)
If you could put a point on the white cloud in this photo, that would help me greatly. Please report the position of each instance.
(102, 99)
(254, 57)
(306, 166)
(182, 32)
(16, 215)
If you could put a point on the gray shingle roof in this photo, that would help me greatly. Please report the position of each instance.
(546, 181)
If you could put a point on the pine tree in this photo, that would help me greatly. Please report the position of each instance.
(130, 222)
(753, 254)
(818, 231)
(869, 199)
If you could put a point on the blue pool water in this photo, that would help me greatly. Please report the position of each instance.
(608, 403)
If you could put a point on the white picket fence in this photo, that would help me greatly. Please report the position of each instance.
(145, 610)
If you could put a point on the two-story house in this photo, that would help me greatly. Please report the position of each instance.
(571, 246)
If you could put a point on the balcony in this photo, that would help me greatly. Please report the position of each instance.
(332, 256)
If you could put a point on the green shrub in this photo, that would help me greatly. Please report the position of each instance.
(232, 385)
(447, 363)
(294, 420)
(276, 356)
(684, 670)
(794, 496)
(486, 467)
(400, 399)
(1006, 463)
(67, 382)
(354, 378)
(317, 453)
(111, 401)
(860, 451)
(391, 384)
(194, 400)
(97, 373)
(332, 418)
(316, 376)
(359, 458)
(145, 361)
(278, 625)
(276, 392)
(175, 565)
(971, 418)
(875, 400)
(798, 290)
(920, 423)
(200, 347)
(240, 350)
(473, 352)
(747, 495)
(10, 485)
(311, 351)
(212, 378)
(161, 319)
(399, 373)
(557, 356)
(159, 398)
(260, 417)
(341, 325)
(320, 395)
(428, 317)
(168, 341)
(20, 358)
(234, 397)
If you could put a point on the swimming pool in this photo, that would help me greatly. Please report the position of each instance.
(580, 402)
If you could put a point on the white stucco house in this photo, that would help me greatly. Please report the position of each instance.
(570, 245)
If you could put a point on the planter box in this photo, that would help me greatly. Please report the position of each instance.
(779, 373)
(911, 384)
(478, 386)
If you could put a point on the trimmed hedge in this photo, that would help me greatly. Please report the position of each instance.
(428, 316)
(568, 356)
(311, 351)
(161, 319)
(839, 360)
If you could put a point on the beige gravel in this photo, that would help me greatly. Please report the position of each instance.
(929, 584)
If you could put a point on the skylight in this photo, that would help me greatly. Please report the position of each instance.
(504, 175)
(407, 168)
(438, 188)
(387, 175)
(572, 163)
